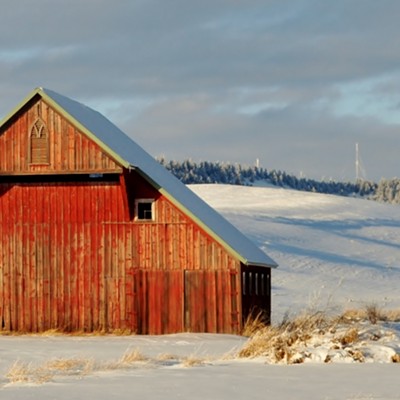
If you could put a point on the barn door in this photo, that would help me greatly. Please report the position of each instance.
(194, 312)
(159, 297)
(256, 293)
(210, 301)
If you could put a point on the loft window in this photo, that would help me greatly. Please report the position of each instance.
(144, 209)
(39, 143)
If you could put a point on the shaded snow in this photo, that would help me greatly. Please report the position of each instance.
(332, 251)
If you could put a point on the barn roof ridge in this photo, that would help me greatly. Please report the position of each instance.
(130, 155)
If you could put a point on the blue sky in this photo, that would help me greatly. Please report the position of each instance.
(294, 83)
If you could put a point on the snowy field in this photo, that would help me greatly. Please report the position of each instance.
(334, 253)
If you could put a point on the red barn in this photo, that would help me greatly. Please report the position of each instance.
(95, 235)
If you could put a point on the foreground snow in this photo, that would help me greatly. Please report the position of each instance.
(217, 377)
(334, 253)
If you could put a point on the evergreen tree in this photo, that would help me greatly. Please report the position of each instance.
(190, 172)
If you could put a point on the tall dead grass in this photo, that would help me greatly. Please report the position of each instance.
(277, 342)
(280, 343)
(253, 324)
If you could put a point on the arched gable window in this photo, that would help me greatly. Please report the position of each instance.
(39, 143)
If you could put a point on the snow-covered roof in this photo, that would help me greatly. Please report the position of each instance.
(130, 155)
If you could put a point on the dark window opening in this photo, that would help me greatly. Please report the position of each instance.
(145, 210)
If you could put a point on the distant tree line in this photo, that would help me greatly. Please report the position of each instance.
(387, 191)
(190, 172)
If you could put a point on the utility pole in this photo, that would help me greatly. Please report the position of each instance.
(357, 164)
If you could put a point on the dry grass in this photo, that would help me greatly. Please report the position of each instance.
(392, 315)
(396, 358)
(70, 366)
(278, 342)
(352, 315)
(356, 355)
(349, 337)
(119, 332)
(132, 356)
(167, 357)
(371, 313)
(127, 360)
(253, 324)
(67, 332)
(192, 361)
(21, 372)
(281, 343)
(374, 314)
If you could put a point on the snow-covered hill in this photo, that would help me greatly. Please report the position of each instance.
(333, 252)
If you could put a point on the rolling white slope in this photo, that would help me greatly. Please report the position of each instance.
(333, 252)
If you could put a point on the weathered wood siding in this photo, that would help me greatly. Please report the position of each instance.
(72, 258)
(69, 150)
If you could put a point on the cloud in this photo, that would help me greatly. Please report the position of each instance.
(227, 79)
(295, 138)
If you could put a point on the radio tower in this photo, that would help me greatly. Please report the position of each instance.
(357, 164)
(360, 172)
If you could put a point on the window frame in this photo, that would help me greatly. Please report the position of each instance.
(144, 201)
(39, 132)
